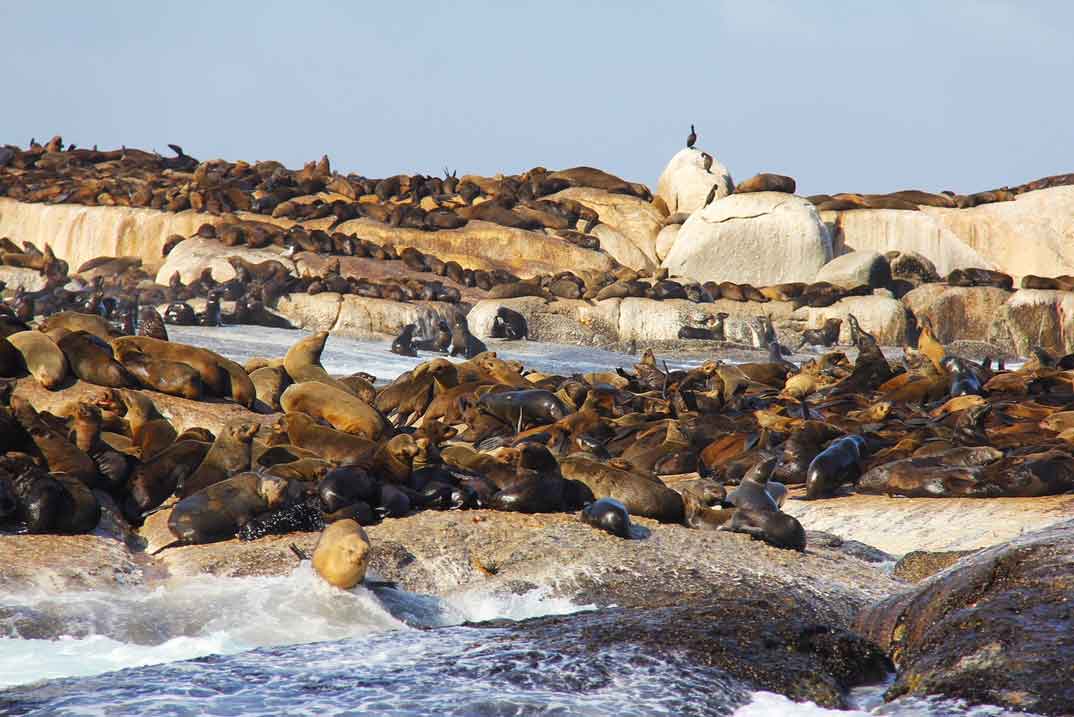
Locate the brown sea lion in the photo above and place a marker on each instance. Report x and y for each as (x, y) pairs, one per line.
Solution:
(331, 445)
(171, 377)
(45, 361)
(341, 554)
(75, 321)
(642, 495)
(91, 360)
(152, 481)
(229, 454)
(208, 364)
(340, 409)
(303, 361)
(218, 511)
(766, 182)
(270, 383)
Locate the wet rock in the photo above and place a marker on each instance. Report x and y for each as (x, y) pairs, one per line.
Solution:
(920, 564)
(994, 628)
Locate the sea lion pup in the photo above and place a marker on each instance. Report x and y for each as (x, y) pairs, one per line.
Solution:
(341, 554)
(825, 336)
(767, 182)
(220, 509)
(150, 432)
(90, 359)
(524, 408)
(837, 464)
(151, 324)
(403, 343)
(509, 324)
(229, 454)
(609, 515)
(328, 443)
(45, 361)
(340, 409)
(463, 343)
(757, 510)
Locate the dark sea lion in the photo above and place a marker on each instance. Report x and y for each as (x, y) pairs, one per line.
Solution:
(151, 324)
(219, 510)
(345, 486)
(732, 291)
(463, 343)
(229, 454)
(40, 501)
(980, 277)
(153, 481)
(340, 409)
(171, 377)
(538, 486)
(509, 324)
(757, 509)
(402, 344)
(91, 360)
(439, 342)
(524, 408)
(328, 443)
(270, 383)
(609, 515)
(964, 381)
(180, 314)
(825, 336)
(837, 464)
(1029, 281)
(766, 182)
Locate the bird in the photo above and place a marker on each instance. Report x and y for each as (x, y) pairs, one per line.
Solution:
(706, 161)
(712, 194)
(691, 138)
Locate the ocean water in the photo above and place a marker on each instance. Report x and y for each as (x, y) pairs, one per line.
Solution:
(293, 645)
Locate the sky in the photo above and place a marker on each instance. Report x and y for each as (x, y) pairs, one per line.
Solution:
(842, 95)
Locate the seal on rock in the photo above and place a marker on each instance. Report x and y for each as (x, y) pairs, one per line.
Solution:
(609, 515)
(837, 464)
(341, 554)
(403, 343)
(219, 510)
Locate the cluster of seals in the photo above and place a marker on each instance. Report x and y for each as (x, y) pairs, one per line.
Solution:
(914, 199)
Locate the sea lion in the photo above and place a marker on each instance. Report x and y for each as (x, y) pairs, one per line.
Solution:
(980, 277)
(150, 432)
(153, 481)
(217, 511)
(295, 518)
(340, 409)
(345, 486)
(509, 324)
(209, 365)
(393, 460)
(609, 515)
(328, 443)
(341, 554)
(963, 381)
(524, 408)
(171, 377)
(90, 359)
(537, 487)
(42, 357)
(270, 382)
(151, 324)
(180, 314)
(766, 182)
(303, 361)
(837, 464)
(756, 502)
(642, 495)
(402, 344)
(826, 336)
(229, 454)
(463, 343)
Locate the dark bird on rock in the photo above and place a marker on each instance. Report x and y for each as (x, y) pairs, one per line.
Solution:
(691, 138)
(706, 161)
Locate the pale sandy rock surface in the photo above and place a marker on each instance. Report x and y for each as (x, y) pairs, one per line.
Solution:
(359, 316)
(957, 312)
(882, 316)
(636, 219)
(666, 239)
(758, 238)
(193, 256)
(17, 277)
(856, 268)
(684, 184)
(621, 249)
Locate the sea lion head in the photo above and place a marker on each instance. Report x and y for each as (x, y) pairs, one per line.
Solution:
(273, 490)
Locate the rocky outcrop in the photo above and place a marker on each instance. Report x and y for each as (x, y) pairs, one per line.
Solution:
(685, 184)
(666, 239)
(994, 628)
(1032, 235)
(55, 563)
(570, 321)
(193, 256)
(882, 316)
(620, 248)
(758, 238)
(900, 525)
(957, 312)
(17, 277)
(634, 218)
(358, 316)
(855, 269)
(483, 245)
(1035, 317)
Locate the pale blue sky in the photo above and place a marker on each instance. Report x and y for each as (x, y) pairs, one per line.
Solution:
(844, 96)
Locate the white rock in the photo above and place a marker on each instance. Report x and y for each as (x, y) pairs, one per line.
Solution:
(882, 316)
(666, 239)
(684, 183)
(855, 269)
(194, 255)
(758, 238)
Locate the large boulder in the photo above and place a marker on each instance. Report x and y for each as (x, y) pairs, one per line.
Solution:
(882, 316)
(1032, 235)
(994, 628)
(857, 268)
(957, 312)
(621, 249)
(666, 239)
(484, 245)
(684, 184)
(758, 238)
(194, 255)
(571, 321)
(1035, 317)
(358, 316)
(634, 218)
